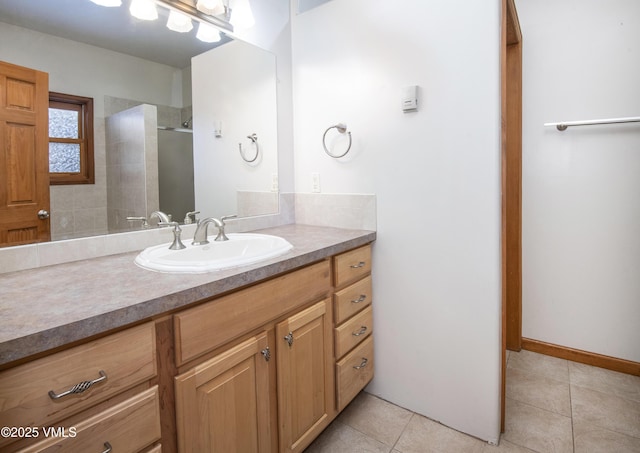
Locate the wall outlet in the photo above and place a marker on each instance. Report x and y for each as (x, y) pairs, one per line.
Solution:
(274, 182)
(315, 182)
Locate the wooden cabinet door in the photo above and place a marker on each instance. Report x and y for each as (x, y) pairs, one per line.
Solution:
(223, 405)
(305, 378)
(24, 155)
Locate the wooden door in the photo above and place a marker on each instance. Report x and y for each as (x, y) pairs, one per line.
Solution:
(24, 155)
(223, 405)
(305, 376)
(511, 93)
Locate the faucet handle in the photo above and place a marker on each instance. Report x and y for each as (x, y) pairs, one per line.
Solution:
(221, 234)
(190, 217)
(145, 224)
(177, 231)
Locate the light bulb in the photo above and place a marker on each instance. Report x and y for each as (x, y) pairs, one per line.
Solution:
(241, 15)
(143, 9)
(109, 3)
(211, 7)
(207, 33)
(179, 22)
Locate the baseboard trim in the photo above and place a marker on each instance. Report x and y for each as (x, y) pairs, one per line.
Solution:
(576, 355)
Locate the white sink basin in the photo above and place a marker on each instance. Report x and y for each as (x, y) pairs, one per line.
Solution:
(241, 249)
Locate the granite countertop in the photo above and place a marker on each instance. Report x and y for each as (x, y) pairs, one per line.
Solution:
(41, 309)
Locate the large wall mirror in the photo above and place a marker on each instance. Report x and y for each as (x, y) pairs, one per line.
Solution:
(179, 124)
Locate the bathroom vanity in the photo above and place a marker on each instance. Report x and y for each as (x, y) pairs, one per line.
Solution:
(254, 359)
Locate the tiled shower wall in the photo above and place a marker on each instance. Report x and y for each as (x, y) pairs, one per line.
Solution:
(132, 166)
(80, 210)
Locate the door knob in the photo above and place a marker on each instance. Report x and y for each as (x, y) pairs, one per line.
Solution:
(43, 214)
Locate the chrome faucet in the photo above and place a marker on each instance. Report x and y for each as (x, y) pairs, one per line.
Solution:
(162, 217)
(200, 236)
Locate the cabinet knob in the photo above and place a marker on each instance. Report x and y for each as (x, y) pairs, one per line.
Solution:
(289, 339)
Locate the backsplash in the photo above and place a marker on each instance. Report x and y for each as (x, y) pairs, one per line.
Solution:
(352, 211)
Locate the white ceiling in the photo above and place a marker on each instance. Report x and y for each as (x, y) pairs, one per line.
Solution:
(109, 28)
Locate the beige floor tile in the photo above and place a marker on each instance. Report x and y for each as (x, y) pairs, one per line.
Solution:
(506, 447)
(590, 438)
(547, 366)
(340, 438)
(537, 429)
(606, 411)
(376, 418)
(605, 381)
(426, 436)
(539, 391)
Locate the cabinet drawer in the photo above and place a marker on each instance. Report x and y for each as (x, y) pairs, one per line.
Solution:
(127, 358)
(352, 299)
(353, 331)
(126, 427)
(351, 265)
(206, 327)
(354, 372)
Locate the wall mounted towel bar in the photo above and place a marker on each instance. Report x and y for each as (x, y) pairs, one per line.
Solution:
(565, 124)
(342, 128)
(254, 139)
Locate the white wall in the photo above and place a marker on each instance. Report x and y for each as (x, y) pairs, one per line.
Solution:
(85, 70)
(436, 174)
(239, 80)
(272, 32)
(581, 187)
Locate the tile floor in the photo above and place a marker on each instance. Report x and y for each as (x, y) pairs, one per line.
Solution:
(553, 405)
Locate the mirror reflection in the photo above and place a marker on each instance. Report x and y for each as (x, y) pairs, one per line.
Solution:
(161, 140)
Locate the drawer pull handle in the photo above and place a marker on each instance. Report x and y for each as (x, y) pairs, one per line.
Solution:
(359, 265)
(362, 298)
(78, 388)
(362, 364)
(362, 331)
(266, 353)
(289, 339)
(107, 447)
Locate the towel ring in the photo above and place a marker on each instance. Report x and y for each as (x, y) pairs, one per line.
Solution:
(342, 128)
(254, 139)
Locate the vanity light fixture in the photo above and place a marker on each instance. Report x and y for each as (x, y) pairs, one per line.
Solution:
(211, 7)
(207, 33)
(143, 9)
(213, 16)
(109, 3)
(179, 22)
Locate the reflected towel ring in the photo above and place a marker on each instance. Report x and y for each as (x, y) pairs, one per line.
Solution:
(342, 128)
(254, 139)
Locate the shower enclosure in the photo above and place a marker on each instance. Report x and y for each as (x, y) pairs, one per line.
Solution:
(175, 171)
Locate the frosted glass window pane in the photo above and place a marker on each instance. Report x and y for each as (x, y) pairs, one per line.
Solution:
(64, 158)
(63, 123)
